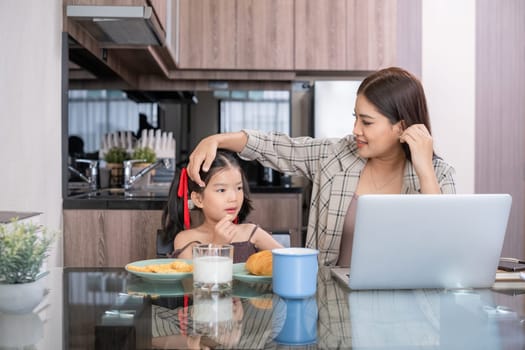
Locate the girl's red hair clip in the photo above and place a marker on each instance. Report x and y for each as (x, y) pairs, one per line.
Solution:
(183, 193)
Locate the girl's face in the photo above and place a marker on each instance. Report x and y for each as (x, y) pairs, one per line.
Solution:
(375, 136)
(223, 195)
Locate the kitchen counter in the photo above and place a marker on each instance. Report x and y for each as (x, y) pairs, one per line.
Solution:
(109, 227)
(154, 202)
(275, 189)
(141, 200)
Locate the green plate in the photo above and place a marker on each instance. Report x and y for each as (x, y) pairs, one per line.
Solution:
(250, 290)
(139, 286)
(240, 273)
(159, 277)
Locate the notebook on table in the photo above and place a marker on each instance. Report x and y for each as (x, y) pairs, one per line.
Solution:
(426, 241)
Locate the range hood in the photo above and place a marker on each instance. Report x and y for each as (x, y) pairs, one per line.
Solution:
(117, 25)
(180, 97)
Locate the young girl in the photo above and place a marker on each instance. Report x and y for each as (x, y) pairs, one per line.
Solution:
(224, 202)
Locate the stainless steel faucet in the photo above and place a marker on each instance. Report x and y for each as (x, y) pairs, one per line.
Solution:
(129, 179)
(91, 179)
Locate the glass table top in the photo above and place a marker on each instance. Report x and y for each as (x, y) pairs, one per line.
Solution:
(103, 308)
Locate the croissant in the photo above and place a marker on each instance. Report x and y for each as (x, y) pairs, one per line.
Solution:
(260, 263)
(264, 302)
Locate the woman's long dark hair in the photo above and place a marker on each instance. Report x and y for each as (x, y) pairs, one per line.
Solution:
(173, 214)
(398, 95)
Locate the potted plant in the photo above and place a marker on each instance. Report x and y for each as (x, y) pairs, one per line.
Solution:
(114, 158)
(149, 155)
(144, 153)
(23, 249)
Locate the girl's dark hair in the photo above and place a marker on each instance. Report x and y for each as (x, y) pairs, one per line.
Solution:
(173, 214)
(398, 95)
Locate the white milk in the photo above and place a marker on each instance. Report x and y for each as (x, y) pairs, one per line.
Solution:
(214, 309)
(212, 269)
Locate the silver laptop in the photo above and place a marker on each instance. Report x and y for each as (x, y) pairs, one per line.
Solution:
(427, 241)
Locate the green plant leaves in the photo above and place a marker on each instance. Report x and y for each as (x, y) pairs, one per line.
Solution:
(144, 153)
(23, 248)
(116, 155)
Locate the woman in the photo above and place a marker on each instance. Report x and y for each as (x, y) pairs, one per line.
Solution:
(390, 151)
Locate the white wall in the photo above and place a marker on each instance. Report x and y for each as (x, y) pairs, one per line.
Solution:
(30, 114)
(448, 76)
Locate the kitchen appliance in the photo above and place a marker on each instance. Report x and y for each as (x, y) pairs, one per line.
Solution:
(118, 25)
(334, 103)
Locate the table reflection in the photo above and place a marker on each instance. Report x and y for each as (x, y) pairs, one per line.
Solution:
(40, 328)
(426, 318)
(295, 321)
(20, 331)
(237, 319)
(110, 309)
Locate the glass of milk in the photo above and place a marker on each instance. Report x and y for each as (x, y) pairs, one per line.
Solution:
(212, 312)
(212, 267)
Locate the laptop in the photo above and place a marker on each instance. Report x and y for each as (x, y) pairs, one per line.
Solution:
(426, 241)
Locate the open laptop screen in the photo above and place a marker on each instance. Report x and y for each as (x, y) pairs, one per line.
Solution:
(428, 241)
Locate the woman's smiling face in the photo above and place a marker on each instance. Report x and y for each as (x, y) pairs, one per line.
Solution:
(375, 136)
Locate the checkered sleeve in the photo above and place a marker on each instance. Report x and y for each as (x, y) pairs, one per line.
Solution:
(297, 156)
(445, 176)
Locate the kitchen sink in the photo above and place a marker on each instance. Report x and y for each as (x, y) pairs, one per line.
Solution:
(120, 193)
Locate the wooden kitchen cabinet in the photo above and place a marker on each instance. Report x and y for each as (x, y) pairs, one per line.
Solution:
(371, 29)
(161, 11)
(320, 35)
(302, 35)
(255, 40)
(345, 34)
(236, 34)
(207, 32)
(129, 62)
(109, 238)
(279, 212)
(264, 34)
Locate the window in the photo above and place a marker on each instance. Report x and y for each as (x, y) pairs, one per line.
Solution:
(93, 113)
(261, 110)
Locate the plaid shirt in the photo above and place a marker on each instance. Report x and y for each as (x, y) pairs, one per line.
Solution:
(334, 167)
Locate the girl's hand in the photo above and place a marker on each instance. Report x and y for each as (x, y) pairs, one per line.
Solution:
(421, 147)
(238, 310)
(225, 230)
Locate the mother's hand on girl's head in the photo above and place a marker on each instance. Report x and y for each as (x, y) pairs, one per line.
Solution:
(202, 157)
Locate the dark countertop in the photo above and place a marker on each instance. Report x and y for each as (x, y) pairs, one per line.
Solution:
(275, 189)
(114, 199)
(115, 204)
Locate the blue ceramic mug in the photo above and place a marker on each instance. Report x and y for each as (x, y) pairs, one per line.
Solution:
(295, 321)
(294, 272)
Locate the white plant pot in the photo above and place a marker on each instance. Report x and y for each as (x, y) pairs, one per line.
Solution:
(20, 330)
(21, 298)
